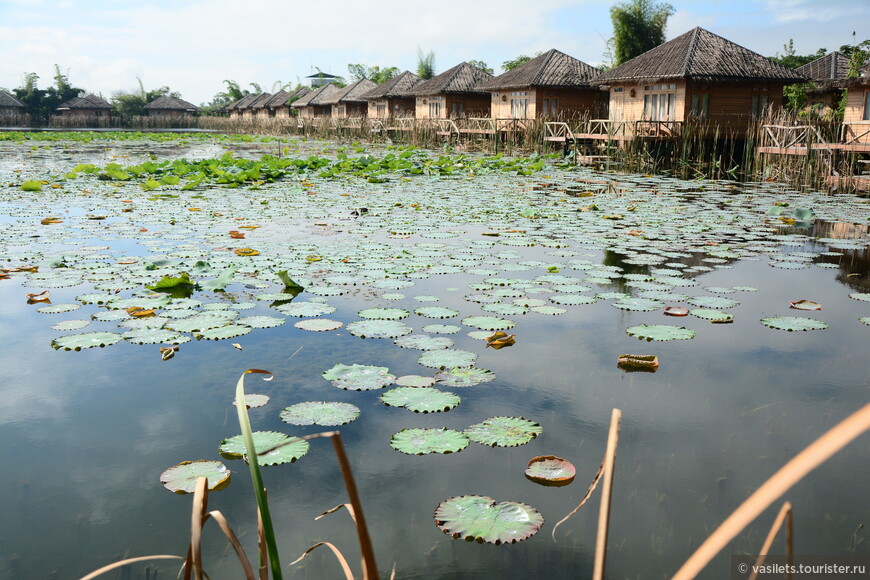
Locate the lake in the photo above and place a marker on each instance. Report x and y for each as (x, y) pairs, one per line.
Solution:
(568, 259)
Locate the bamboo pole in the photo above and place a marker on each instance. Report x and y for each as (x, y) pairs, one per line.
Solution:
(606, 489)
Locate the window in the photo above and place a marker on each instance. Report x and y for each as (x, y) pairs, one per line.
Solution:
(549, 107)
(381, 110)
(701, 105)
(458, 109)
(758, 107)
(435, 110)
(659, 102)
(866, 116)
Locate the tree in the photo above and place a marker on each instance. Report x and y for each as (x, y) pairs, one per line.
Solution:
(479, 64)
(132, 103)
(42, 103)
(512, 64)
(425, 64)
(373, 73)
(638, 26)
(790, 59)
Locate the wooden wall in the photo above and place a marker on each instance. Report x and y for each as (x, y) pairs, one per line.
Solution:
(471, 105)
(394, 107)
(572, 103)
(853, 123)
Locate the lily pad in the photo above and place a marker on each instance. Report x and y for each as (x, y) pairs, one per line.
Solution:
(420, 399)
(863, 296)
(660, 332)
(261, 321)
(504, 431)
(793, 323)
(423, 441)
(464, 377)
(424, 342)
(441, 328)
(359, 377)
(58, 308)
(224, 332)
(711, 314)
(415, 381)
(378, 328)
(383, 313)
(305, 309)
(272, 448)
(436, 312)
(637, 304)
(86, 340)
(69, 325)
(713, 302)
(550, 470)
(447, 358)
(320, 413)
(182, 478)
(318, 324)
(490, 323)
(480, 518)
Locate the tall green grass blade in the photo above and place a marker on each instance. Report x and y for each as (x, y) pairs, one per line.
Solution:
(256, 477)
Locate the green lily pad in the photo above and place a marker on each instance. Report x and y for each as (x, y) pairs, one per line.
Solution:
(198, 323)
(713, 302)
(424, 342)
(793, 323)
(550, 470)
(549, 310)
(415, 381)
(423, 441)
(378, 328)
(637, 304)
(480, 518)
(58, 308)
(464, 377)
(436, 312)
(318, 324)
(863, 296)
(224, 332)
(320, 413)
(441, 328)
(69, 325)
(305, 309)
(420, 399)
(491, 323)
(572, 299)
(182, 478)
(272, 448)
(504, 431)
(261, 321)
(660, 332)
(86, 340)
(447, 358)
(359, 377)
(710, 314)
(384, 313)
(154, 336)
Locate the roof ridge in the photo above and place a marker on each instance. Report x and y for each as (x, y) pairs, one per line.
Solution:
(550, 54)
(690, 52)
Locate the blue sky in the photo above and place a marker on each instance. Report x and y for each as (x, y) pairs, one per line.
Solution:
(193, 45)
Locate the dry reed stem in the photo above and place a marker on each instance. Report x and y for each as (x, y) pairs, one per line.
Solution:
(589, 491)
(114, 565)
(784, 515)
(200, 505)
(234, 542)
(606, 490)
(792, 472)
(348, 574)
(338, 507)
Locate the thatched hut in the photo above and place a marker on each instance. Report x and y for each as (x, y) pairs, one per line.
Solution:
(551, 85)
(454, 93)
(391, 99)
(697, 75)
(237, 109)
(89, 108)
(824, 73)
(279, 105)
(173, 108)
(348, 102)
(10, 107)
(856, 115)
(257, 107)
(311, 105)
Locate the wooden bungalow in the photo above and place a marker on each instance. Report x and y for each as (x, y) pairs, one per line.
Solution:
(311, 106)
(452, 94)
(696, 76)
(257, 107)
(89, 108)
(552, 85)
(824, 73)
(237, 109)
(391, 99)
(10, 107)
(279, 105)
(856, 115)
(348, 102)
(173, 108)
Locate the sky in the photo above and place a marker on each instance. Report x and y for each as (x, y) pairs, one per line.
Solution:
(193, 46)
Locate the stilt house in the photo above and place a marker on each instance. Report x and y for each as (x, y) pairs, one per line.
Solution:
(454, 93)
(391, 99)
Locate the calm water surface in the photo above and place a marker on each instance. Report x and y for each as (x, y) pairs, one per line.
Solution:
(87, 434)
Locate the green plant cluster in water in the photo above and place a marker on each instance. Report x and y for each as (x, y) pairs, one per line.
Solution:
(88, 136)
(231, 171)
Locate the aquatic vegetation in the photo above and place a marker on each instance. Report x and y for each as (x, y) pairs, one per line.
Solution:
(481, 519)
(550, 470)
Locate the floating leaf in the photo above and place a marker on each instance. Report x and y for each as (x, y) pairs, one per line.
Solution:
(436, 312)
(504, 431)
(793, 323)
(383, 313)
(660, 332)
(441, 328)
(320, 413)
(447, 358)
(711, 314)
(86, 340)
(359, 377)
(253, 400)
(68, 325)
(154, 336)
(865, 297)
(415, 381)
(378, 328)
(272, 448)
(637, 304)
(224, 332)
(246, 252)
(58, 308)
(464, 377)
(261, 321)
(182, 478)
(638, 362)
(675, 311)
(420, 399)
(424, 342)
(500, 340)
(318, 324)
(480, 518)
(305, 309)
(550, 470)
(423, 441)
(713, 302)
(490, 323)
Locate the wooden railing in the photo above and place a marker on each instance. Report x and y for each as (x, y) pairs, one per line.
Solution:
(853, 134)
(610, 127)
(558, 131)
(646, 128)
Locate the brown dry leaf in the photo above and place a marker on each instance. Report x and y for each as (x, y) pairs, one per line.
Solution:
(236, 345)
(167, 352)
(139, 312)
(51, 220)
(44, 296)
(500, 340)
(638, 362)
(246, 252)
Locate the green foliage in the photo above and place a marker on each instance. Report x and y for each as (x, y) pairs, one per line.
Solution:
(31, 185)
(638, 26)
(514, 63)
(373, 73)
(425, 64)
(792, 60)
(481, 65)
(42, 103)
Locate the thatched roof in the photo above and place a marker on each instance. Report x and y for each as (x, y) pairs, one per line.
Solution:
(242, 103)
(398, 86)
(551, 69)
(298, 93)
(699, 54)
(260, 101)
(8, 101)
(167, 103)
(351, 93)
(86, 103)
(463, 78)
(279, 99)
(316, 96)
(833, 65)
